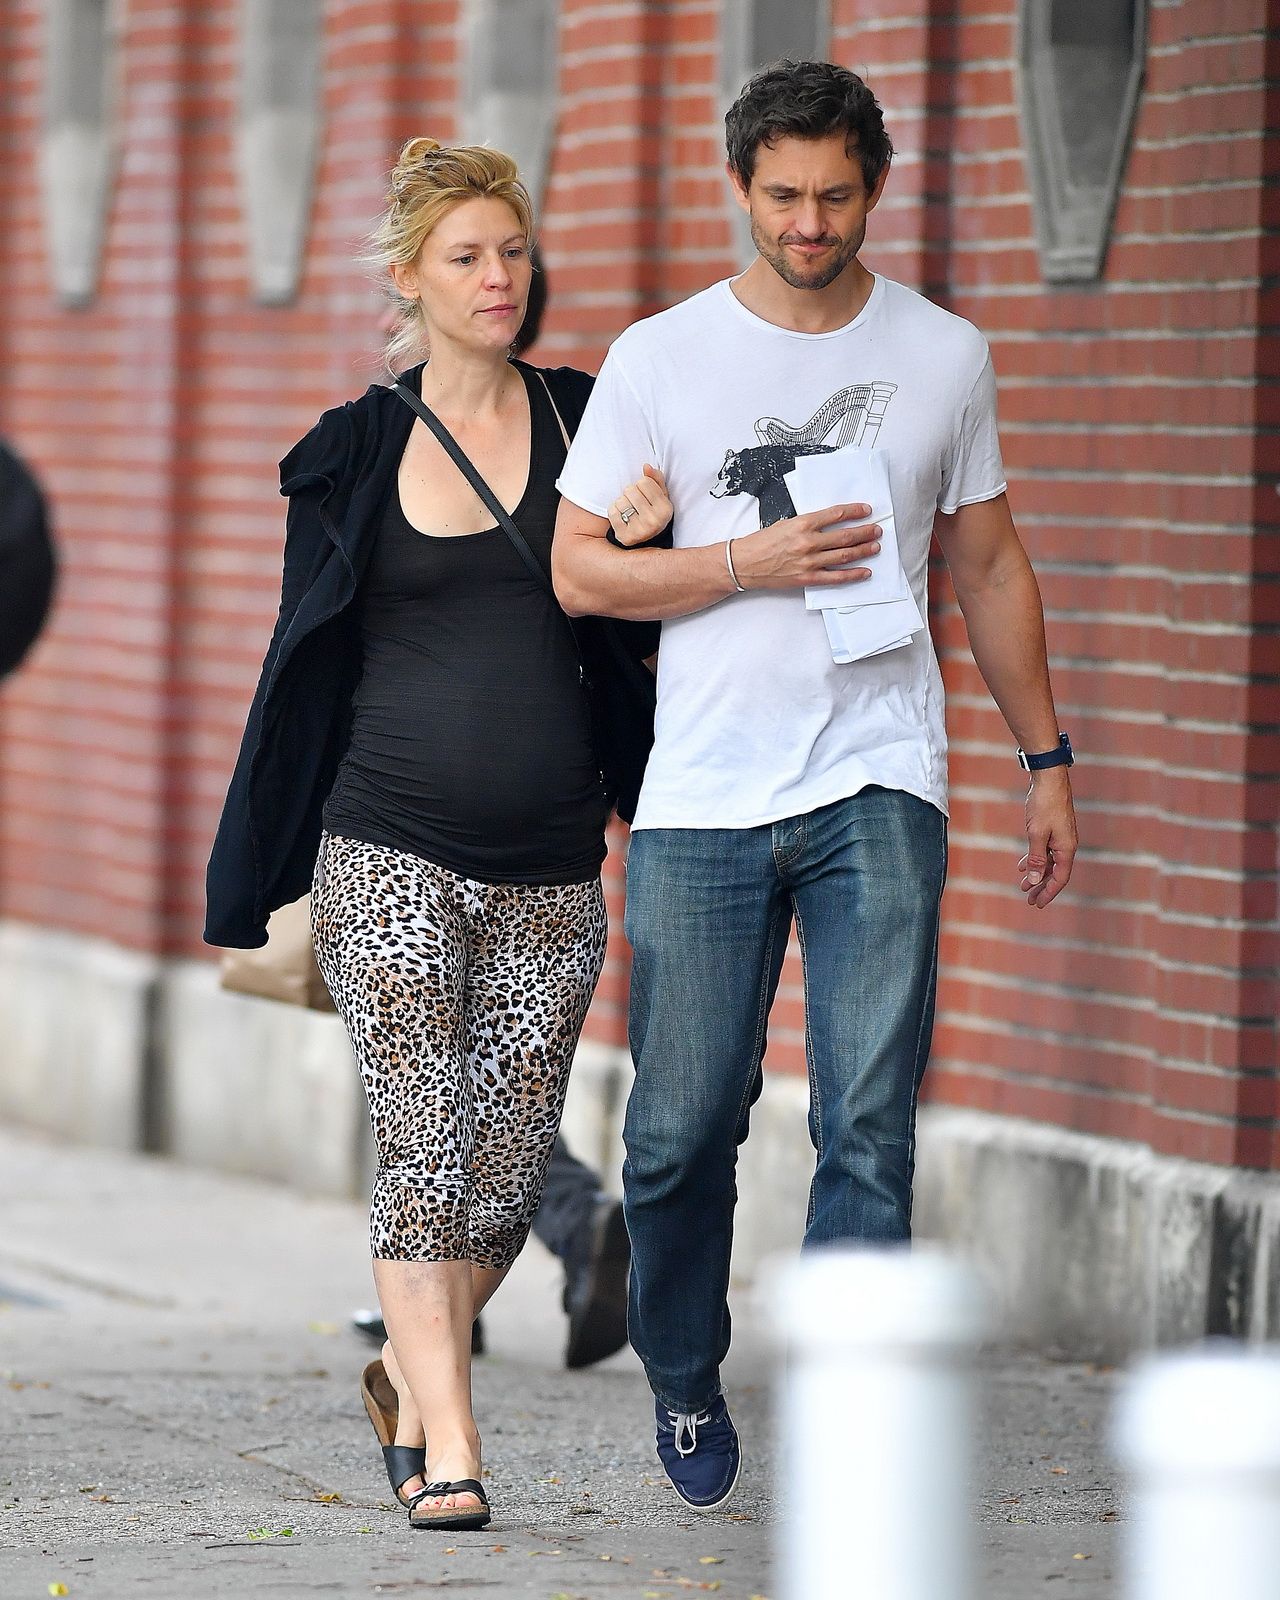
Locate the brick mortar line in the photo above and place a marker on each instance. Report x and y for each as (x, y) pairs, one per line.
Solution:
(1149, 860)
(1141, 669)
(1154, 380)
(972, 794)
(1069, 946)
(1182, 480)
(966, 1022)
(1015, 1078)
(1129, 761)
(1067, 428)
(1176, 580)
(1142, 1005)
(1132, 714)
(1144, 908)
(1151, 145)
(1154, 289)
(1132, 718)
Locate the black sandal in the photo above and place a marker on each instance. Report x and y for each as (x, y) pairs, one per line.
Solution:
(402, 1461)
(451, 1518)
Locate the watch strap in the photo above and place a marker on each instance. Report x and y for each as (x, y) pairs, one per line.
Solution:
(1061, 755)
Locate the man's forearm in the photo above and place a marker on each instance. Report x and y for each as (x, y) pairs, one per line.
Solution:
(1005, 618)
(595, 578)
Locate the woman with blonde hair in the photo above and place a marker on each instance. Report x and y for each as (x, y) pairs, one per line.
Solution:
(436, 749)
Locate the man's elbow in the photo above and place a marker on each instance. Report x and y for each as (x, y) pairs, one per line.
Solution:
(572, 602)
(565, 580)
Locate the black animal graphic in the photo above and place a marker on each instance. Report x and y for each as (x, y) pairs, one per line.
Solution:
(759, 470)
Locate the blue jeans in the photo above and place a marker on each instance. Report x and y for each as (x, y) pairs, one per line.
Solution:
(708, 915)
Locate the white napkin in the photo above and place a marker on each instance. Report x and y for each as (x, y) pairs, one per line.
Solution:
(866, 616)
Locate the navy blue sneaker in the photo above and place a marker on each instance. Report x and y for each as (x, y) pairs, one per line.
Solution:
(700, 1453)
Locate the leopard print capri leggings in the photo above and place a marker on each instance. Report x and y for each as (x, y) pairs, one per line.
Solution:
(464, 1002)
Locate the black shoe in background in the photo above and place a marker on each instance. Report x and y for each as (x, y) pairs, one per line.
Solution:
(370, 1324)
(595, 1290)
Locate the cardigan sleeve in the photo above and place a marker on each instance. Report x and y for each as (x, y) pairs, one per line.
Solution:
(233, 917)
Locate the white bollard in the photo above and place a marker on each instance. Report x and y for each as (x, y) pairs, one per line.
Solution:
(875, 1493)
(1200, 1434)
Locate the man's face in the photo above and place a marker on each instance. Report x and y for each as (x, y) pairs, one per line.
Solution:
(808, 206)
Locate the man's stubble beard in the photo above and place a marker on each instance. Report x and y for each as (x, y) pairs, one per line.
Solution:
(774, 252)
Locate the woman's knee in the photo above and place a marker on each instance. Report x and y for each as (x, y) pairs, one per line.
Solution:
(413, 1215)
(496, 1233)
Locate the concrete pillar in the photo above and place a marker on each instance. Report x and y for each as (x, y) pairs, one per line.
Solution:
(877, 1417)
(1200, 1432)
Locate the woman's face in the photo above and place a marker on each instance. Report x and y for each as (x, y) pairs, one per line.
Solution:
(472, 276)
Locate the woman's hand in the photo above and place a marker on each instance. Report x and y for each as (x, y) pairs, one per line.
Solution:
(642, 510)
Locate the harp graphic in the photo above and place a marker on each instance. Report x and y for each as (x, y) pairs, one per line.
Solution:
(857, 411)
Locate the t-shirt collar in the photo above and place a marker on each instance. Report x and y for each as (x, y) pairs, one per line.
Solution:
(762, 323)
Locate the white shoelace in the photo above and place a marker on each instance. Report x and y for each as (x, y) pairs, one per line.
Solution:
(687, 1422)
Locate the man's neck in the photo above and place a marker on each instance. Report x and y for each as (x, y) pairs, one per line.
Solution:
(774, 300)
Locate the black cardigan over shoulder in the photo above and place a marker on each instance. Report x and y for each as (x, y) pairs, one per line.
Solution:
(337, 481)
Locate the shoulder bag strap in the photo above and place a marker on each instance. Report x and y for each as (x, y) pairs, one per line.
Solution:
(564, 432)
(465, 466)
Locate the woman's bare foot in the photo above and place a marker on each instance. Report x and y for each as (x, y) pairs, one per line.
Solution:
(409, 1429)
(460, 1460)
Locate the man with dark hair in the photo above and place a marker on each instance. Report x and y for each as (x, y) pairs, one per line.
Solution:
(799, 770)
(27, 566)
(806, 100)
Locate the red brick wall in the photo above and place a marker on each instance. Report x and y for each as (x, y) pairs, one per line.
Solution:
(1143, 1004)
(156, 418)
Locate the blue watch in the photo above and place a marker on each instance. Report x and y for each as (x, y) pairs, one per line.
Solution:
(1061, 756)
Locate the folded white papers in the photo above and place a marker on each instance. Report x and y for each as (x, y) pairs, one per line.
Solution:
(866, 616)
(854, 638)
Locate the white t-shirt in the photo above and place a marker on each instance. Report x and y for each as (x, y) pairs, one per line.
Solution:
(755, 720)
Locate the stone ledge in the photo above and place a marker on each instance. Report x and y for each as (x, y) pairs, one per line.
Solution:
(77, 1019)
(258, 1088)
(1093, 1247)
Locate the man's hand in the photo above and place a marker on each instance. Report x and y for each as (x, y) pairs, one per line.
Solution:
(1051, 837)
(818, 548)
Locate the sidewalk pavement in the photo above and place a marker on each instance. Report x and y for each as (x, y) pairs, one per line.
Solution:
(180, 1417)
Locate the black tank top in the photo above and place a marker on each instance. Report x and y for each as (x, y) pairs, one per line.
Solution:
(471, 739)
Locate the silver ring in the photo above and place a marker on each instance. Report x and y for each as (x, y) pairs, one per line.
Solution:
(628, 514)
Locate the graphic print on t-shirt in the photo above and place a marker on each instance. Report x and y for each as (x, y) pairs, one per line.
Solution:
(760, 469)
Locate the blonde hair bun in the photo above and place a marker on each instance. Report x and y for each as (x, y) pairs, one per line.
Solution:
(415, 149)
(410, 161)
